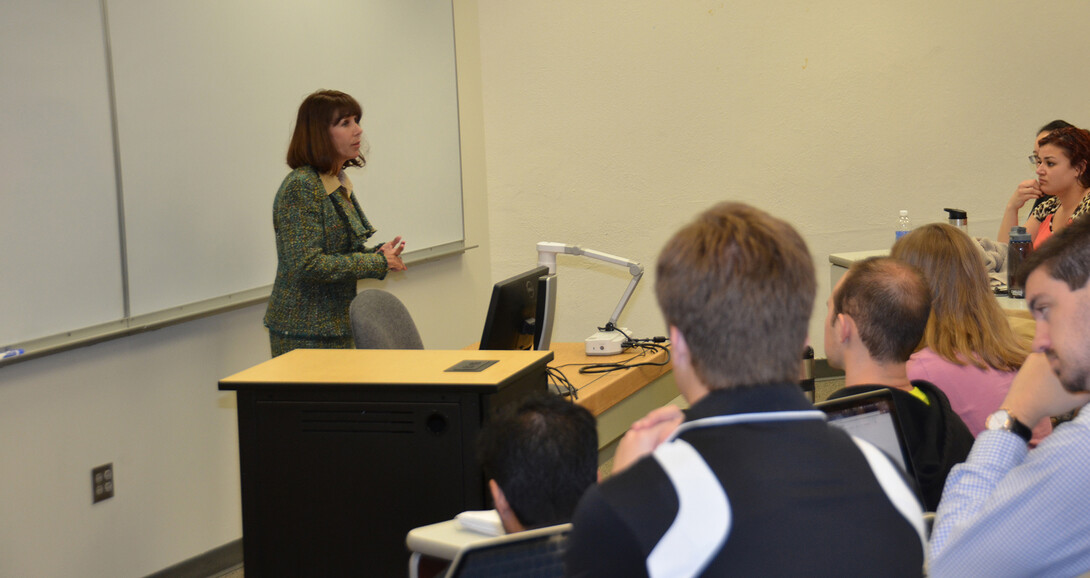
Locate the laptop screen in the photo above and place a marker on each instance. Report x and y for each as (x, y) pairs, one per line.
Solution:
(872, 417)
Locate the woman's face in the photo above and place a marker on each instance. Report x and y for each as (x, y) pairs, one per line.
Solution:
(1054, 171)
(346, 135)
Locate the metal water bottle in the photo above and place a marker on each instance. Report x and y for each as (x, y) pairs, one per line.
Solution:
(806, 373)
(958, 218)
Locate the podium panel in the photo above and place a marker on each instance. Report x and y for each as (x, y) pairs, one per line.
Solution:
(337, 467)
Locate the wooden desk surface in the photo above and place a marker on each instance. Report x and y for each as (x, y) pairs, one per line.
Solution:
(385, 366)
(600, 391)
(597, 392)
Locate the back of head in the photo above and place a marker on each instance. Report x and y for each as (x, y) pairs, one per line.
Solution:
(1055, 125)
(889, 302)
(543, 453)
(311, 144)
(739, 285)
(966, 324)
(1065, 256)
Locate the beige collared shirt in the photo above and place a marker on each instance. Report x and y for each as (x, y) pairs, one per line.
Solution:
(332, 182)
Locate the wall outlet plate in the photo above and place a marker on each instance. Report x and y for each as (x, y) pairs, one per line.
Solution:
(102, 483)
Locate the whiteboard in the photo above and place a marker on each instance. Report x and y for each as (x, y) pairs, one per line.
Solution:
(206, 93)
(59, 240)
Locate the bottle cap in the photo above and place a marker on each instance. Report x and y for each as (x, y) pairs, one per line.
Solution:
(1019, 235)
(957, 214)
(904, 213)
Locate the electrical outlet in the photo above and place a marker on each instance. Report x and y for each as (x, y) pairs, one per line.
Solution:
(102, 483)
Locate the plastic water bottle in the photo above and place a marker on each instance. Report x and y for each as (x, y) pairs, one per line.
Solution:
(903, 224)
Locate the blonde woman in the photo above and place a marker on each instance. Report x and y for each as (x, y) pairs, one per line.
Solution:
(968, 349)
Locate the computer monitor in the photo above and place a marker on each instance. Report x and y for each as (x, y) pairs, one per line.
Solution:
(521, 312)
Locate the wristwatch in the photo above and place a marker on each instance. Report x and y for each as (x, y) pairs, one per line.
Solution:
(1003, 420)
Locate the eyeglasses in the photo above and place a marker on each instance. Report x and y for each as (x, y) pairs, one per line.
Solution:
(1034, 160)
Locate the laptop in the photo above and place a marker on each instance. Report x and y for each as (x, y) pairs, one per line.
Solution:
(531, 554)
(872, 416)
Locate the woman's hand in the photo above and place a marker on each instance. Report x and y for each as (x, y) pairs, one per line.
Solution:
(392, 250)
(394, 247)
(1026, 191)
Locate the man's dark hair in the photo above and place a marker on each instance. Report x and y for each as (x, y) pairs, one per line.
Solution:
(890, 302)
(1065, 256)
(543, 453)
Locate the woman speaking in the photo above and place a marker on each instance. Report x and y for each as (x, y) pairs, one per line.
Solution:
(321, 230)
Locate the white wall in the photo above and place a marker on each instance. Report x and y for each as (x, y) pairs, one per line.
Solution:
(149, 404)
(610, 124)
(605, 124)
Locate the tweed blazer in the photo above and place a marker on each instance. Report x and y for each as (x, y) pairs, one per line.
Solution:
(321, 252)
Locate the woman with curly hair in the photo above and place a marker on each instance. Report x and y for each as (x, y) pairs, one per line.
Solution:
(1062, 160)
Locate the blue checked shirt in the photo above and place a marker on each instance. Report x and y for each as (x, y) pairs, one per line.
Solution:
(1010, 511)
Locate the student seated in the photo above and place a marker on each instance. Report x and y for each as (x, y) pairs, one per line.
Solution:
(1009, 511)
(752, 481)
(1061, 191)
(968, 349)
(539, 457)
(877, 314)
(1030, 189)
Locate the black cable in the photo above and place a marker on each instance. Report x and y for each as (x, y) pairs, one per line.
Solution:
(656, 339)
(564, 387)
(619, 365)
(630, 341)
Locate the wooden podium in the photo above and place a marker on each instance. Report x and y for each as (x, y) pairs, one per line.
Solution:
(342, 452)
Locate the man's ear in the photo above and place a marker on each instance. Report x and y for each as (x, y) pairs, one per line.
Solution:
(510, 521)
(845, 327)
(679, 348)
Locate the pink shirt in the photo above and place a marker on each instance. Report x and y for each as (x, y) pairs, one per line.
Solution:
(974, 393)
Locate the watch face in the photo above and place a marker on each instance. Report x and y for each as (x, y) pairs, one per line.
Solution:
(998, 420)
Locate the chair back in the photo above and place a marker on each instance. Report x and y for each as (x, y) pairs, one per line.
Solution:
(381, 321)
(538, 553)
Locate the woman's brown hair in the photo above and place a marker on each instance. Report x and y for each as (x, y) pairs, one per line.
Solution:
(1075, 142)
(966, 325)
(310, 143)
